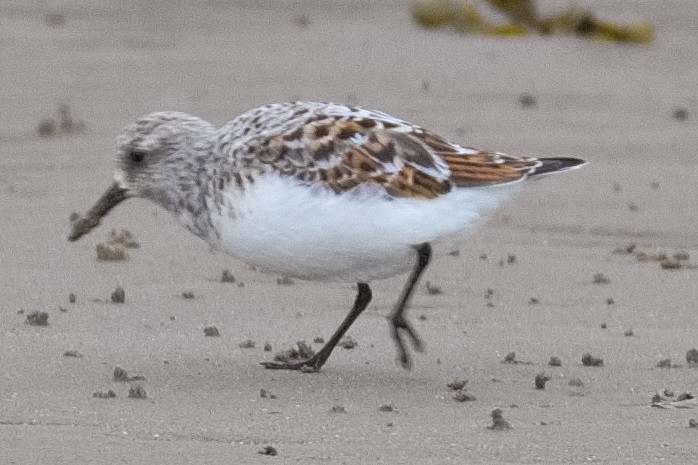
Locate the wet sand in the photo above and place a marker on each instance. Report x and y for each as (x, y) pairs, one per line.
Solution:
(606, 103)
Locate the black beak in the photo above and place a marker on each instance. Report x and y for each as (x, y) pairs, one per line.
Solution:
(110, 199)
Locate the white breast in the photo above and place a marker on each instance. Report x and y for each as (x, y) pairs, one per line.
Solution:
(309, 233)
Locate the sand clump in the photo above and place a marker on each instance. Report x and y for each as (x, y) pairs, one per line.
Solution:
(114, 248)
(511, 358)
(118, 296)
(247, 344)
(37, 319)
(460, 394)
(268, 450)
(541, 379)
(692, 357)
(211, 331)
(676, 260)
(498, 421)
(72, 353)
(589, 360)
(463, 396)
(106, 394)
(110, 252)
(123, 237)
(227, 276)
(433, 289)
(120, 375)
(136, 391)
(347, 342)
(457, 384)
(666, 363)
(527, 100)
(600, 278)
(555, 362)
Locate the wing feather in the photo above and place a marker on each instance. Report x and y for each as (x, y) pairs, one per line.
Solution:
(344, 151)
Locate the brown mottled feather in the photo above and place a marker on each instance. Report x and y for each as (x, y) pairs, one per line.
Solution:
(343, 152)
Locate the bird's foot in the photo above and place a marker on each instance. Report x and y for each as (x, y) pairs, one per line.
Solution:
(311, 365)
(400, 327)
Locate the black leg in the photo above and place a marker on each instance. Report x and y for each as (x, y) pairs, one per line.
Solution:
(363, 297)
(397, 318)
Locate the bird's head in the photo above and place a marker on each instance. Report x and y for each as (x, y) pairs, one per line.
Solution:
(154, 155)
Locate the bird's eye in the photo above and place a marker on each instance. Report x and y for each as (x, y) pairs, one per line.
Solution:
(136, 156)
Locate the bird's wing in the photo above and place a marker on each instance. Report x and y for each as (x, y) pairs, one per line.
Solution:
(346, 151)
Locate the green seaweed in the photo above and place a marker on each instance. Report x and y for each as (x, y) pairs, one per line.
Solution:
(524, 19)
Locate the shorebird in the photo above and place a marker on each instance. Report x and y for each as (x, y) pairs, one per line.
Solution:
(317, 191)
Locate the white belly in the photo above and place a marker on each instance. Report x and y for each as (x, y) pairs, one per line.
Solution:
(288, 228)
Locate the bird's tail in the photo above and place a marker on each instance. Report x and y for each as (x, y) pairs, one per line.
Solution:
(556, 165)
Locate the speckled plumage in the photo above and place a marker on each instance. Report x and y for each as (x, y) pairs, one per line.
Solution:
(317, 191)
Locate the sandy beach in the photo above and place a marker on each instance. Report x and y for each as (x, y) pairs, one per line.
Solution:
(540, 278)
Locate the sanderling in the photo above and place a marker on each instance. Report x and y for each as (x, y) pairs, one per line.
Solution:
(316, 191)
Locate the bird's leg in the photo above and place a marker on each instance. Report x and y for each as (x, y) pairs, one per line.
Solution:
(397, 319)
(363, 297)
